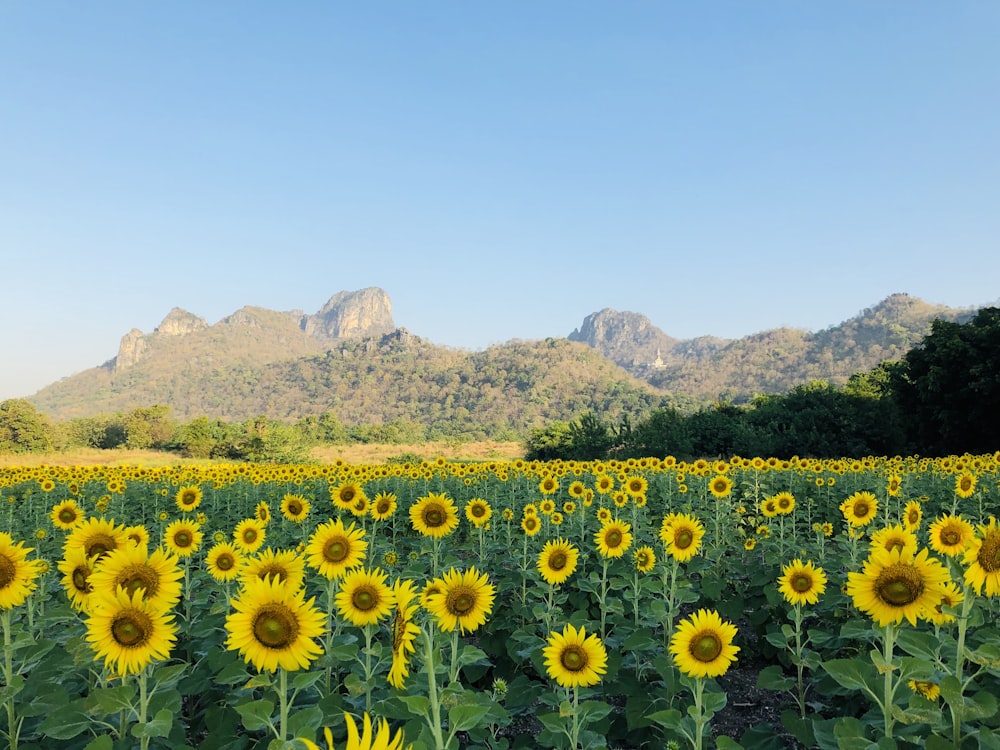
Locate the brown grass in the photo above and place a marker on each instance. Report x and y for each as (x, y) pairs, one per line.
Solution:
(354, 454)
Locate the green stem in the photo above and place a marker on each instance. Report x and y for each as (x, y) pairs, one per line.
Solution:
(13, 730)
(143, 705)
(369, 633)
(282, 703)
(604, 596)
(889, 689)
(963, 624)
(453, 672)
(699, 716)
(574, 738)
(434, 717)
(799, 665)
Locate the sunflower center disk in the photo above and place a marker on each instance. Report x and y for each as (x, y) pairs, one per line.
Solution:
(276, 572)
(225, 562)
(100, 545)
(249, 536)
(899, 585)
(460, 602)
(613, 539)
(294, 508)
(7, 571)
(573, 659)
(950, 537)
(557, 561)
(801, 583)
(139, 578)
(364, 599)
(275, 627)
(860, 510)
(80, 576)
(182, 539)
(989, 553)
(67, 516)
(129, 629)
(335, 550)
(683, 539)
(706, 647)
(433, 517)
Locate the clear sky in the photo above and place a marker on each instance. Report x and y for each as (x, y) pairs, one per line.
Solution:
(501, 169)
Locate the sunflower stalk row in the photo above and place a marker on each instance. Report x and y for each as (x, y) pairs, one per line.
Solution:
(503, 605)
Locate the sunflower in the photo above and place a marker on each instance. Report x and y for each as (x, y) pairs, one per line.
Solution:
(982, 560)
(137, 536)
(182, 537)
(769, 507)
(383, 506)
(365, 597)
(129, 631)
(465, 599)
(284, 566)
(929, 690)
(951, 597)
(859, 509)
(155, 576)
(635, 486)
(575, 659)
(569, 507)
(645, 559)
(965, 485)
(345, 494)
(249, 535)
(784, 503)
(17, 572)
(548, 486)
(576, 489)
(404, 630)
(478, 512)
(273, 626)
(749, 543)
(96, 537)
(334, 549)
(895, 537)
(603, 515)
(223, 561)
(379, 737)
(547, 507)
(557, 561)
(434, 515)
(894, 485)
(77, 569)
(531, 525)
(295, 508)
(359, 508)
(263, 512)
(188, 498)
(702, 645)
(604, 484)
(432, 587)
(895, 584)
(683, 537)
(950, 535)
(912, 515)
(801, 582)
(613, 538)
(66, 515)
(720, 486)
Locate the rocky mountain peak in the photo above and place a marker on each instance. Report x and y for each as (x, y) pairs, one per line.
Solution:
(627, 338)
(180, 322)
(367, 312)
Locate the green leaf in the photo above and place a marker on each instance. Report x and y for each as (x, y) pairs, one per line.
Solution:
(982, 706)
(159, 726)
(417, 705)
(305, 722)
(774, 678)
(552, 722)
(936, 742)
(713, 702)
(66, 725)
(256, 715)
(305, 680)
(112, 700)
(850, 734)
(722, 742)
(466, 716)
(472, 655)
(355, 685)
(262, 680)
(591, 711)
(103, 742)
(233, 673)
(917, 643)
(168, 677)
(853, 674)
(951, 690)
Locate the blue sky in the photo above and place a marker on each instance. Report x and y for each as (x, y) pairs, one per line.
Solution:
(502, 170)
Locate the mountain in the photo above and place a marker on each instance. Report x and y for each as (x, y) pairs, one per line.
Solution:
(350, 359)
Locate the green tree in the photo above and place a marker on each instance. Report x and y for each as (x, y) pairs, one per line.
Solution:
(550, 442)
(149, 427)
(23, 429)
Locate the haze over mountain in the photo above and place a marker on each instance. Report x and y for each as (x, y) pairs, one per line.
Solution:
(351, 359)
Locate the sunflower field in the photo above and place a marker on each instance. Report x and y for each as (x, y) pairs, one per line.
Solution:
(440, 605)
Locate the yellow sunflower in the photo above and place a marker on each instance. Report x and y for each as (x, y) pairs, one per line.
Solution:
(613, 538)
(635, 486)
(17, 572)
(801, 582)
(912, 515)
(965, 485)
(548, 486)
(702, 645)
(223, 561)
(273, 626)
(155, 576)
(895, 584)
(860, 508)
(784, 503)
(96, 537)
(263, 512)
(465, 599)
(929, 690)
(249, 535)
(188, 498)
(769, 507)
(950, 535)
(576, 489)
(404, 631)
(434, 515)
(531, 525)
(77, 569)
(604, 484)
(66, 515)
(128, 631)
(283, 566)
(720, 486)
(345, 494)
(334, 549)
(951, 597)
(682, 537)
(982, 560)
(895, 537)
(182, 537)
(365, 597)
(557, 561)
(478, 512)
(379, 737)
(575, 659)
(383, 506)
(894, 485)
(295, 508)
(645, 559)
(137, 536)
